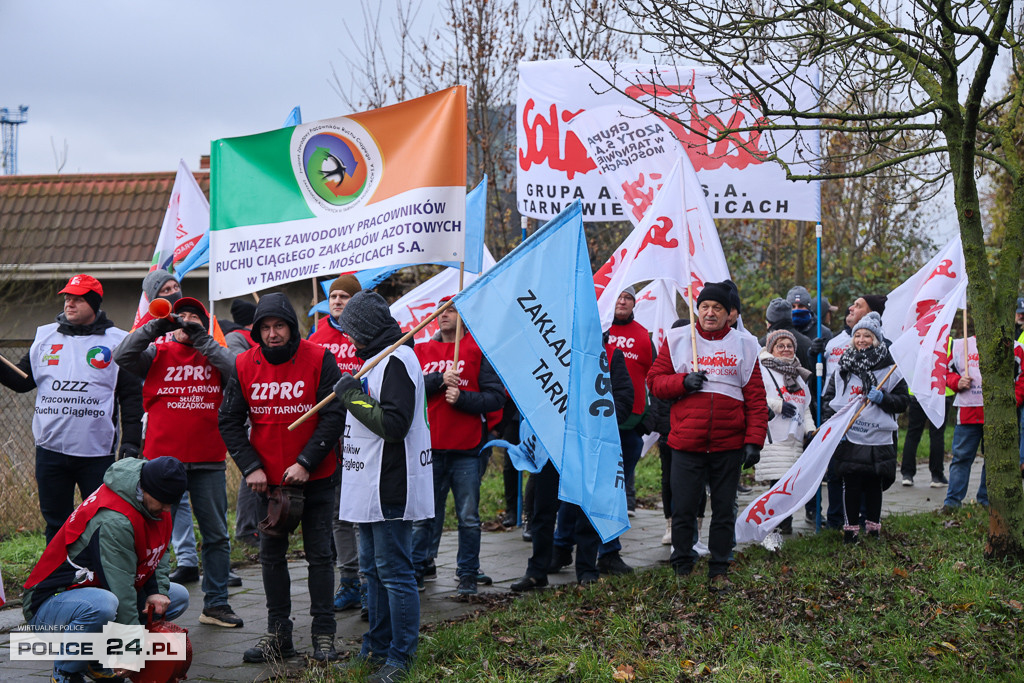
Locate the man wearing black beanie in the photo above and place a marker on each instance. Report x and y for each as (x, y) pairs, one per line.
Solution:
(71, 364)
(112, 552)
(718, 419)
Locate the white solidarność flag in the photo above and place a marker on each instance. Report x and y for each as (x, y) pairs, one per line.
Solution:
(911, 301)
(422, 300)
(679, 219)
(920, 353)
(798, 484)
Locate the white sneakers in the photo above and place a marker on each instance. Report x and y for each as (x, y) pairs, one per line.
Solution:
(667, 538)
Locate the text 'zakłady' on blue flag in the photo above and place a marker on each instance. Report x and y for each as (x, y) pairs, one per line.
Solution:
(534, 315)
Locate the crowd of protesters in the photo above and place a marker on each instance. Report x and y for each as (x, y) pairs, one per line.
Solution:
(368, 476)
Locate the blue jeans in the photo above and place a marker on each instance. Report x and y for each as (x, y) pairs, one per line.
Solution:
(385, 558)
(56, 477)
(460, 472)
(966, 439)
(183, 535)
(632, 444)
(89, 610)
(210, 505)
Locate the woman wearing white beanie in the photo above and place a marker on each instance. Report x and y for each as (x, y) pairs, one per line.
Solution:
(866, 460)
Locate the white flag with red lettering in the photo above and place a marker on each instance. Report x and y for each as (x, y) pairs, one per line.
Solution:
(678, 219)
(799, 484)
(656, 308)
(634, 178)
(909, 302)
(186, 220)
(422, 300)
(921, 353)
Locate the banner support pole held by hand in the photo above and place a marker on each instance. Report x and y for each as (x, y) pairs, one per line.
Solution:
(369, 366)
(12, 366)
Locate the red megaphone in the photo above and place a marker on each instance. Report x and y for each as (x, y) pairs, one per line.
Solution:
(160, 308)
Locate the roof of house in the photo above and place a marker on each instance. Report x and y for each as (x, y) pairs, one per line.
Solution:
(109, 218)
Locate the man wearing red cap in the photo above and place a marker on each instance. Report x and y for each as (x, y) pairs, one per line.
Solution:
(80, 395)
(182, 392)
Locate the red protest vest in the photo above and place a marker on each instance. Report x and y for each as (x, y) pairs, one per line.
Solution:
(182, 394)
(635, 342)
(277, 396)
(451, 428)
(338, 345)
(151, 538)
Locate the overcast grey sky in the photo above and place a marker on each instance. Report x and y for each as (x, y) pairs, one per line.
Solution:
(134, 85)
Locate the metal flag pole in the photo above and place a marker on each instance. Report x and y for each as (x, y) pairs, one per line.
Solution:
(819, 368)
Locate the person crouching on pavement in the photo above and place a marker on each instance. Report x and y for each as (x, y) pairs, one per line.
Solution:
(108, 562)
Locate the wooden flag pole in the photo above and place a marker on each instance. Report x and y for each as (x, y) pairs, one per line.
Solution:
(316, 300)
(693, 329)
(369, 366)
(865, 405)
(458, 323)
(256, 296)
(12, 366)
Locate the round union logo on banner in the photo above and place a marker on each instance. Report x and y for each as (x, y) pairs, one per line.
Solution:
(337, 164)
(98, 357)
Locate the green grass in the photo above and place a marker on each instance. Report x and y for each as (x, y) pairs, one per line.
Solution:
(921, 604)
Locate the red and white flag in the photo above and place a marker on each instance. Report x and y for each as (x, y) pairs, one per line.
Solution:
(186, 220)
(911, 301)
(678, 219)
(798, 485)
(921, 352)
(656, 308)
(422, 300)
(632, 176)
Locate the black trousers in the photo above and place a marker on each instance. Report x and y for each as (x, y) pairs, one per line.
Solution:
(916, 423)
(691, 472)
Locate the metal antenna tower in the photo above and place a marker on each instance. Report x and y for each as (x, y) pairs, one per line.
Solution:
(10, 119)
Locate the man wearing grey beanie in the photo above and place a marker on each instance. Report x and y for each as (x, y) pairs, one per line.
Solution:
(388, 480)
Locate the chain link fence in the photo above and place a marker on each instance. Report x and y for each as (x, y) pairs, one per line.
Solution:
(19, 498)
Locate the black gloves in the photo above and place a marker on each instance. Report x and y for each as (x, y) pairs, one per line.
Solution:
(694, 381)
(751, 455)
(809, 437)
(158, 327)
(193, 329)
(346, 383)
(818, 346)
(788, 409)
(128, 451)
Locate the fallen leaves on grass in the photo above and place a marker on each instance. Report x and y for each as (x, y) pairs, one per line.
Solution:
(624, 672)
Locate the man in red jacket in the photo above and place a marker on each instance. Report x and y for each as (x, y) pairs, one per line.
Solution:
(718, 420)
(183, 384)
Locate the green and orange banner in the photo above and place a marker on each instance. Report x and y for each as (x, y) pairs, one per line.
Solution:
(377, 188)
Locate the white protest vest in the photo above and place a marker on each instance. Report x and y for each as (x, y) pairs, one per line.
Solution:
(782, 428)
(874, 427)
(363, 451)
(75, 379)
(728, 362)
(971, 397)
(833, 350)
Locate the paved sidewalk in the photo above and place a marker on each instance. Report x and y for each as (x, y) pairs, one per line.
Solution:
(503, 555)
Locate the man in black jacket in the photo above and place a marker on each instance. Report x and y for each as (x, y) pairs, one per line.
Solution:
(275, 383)
(81, 394)
(546, 508)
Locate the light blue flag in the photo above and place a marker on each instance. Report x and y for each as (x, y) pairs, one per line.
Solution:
(476, 220)
(294, 118)
(197, 258)
(534, 315)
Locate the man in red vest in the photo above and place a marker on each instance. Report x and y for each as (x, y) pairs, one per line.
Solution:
(329, 335)
(275, 383)
(108, 562)
(182, 389)
(458, 398)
